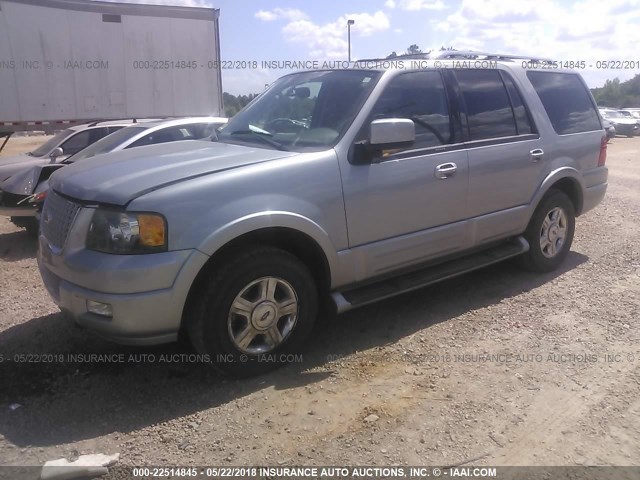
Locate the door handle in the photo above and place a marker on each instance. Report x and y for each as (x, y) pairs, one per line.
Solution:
(536, 154)
(446, 170)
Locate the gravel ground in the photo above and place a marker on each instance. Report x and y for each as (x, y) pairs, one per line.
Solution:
(499, 367)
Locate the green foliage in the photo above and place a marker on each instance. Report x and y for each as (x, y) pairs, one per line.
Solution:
(233, 104)
(618, 94)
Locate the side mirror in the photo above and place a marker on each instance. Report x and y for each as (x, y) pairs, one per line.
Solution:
(55, 153)
(392, 132)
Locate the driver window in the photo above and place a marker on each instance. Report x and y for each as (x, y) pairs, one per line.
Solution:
(421, 97)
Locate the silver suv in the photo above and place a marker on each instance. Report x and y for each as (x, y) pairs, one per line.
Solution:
(355, 184)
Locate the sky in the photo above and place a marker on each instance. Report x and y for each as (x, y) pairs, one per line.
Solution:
(268, 30)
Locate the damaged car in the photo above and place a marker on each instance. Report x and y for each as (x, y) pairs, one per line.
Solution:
(22, 195)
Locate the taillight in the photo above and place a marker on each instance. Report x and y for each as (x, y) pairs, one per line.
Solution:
(603, 151)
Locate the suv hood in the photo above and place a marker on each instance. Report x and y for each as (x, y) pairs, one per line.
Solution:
(117, 178)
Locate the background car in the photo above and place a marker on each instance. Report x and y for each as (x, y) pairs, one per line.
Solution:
(22, 194)
(631, 116)
(62, 145)
(624, 126)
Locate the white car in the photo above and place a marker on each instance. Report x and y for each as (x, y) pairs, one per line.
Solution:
(623, 124)
(62, 145)
(632, 114)
(22, 194)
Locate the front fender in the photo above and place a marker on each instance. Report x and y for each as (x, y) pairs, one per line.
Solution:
(271, 219)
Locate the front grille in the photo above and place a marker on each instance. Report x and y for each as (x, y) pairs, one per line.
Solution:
(58, 215)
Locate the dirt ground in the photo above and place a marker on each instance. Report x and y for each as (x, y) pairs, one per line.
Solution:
(499, 367)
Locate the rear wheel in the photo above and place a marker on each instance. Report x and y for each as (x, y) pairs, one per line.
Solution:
(254, 312)
(550, 233)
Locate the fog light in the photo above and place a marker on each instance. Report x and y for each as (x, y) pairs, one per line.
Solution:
(98, 308)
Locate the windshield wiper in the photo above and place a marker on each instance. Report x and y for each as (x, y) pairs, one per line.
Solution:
(261, 136)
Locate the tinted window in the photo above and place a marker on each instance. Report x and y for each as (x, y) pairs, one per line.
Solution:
(523, 123)
(96, 134)
(76, 143)
(566, 100)
(489, 113)
(420, 97)
(107, 143)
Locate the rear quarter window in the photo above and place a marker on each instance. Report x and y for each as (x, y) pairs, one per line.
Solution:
(566, 101)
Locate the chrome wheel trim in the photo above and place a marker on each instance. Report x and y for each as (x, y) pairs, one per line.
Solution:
(262, 315)
(553, 232)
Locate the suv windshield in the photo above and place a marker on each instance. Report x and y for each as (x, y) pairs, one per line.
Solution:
(106, 144)
(47, 146)
(613, 115)
(306, 111)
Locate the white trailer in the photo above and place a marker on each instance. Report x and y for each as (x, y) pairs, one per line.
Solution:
(69, 61)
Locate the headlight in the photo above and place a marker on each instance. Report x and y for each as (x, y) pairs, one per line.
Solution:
(127, 232)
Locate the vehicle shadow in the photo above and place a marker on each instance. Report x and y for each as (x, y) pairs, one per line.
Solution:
(69, 401)
(17, 246)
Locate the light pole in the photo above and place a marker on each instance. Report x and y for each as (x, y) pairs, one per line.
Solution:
(349, 23)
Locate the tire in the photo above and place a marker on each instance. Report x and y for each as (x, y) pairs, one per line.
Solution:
(266, 292)
(550, 241)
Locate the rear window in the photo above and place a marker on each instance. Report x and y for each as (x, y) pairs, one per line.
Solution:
(567, 102)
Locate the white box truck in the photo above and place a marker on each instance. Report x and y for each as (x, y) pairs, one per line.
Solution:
(70, 61)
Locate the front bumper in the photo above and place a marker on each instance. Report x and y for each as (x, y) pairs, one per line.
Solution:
(147, 293)
(624, 129)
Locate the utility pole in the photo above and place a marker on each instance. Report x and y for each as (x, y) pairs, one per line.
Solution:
(349, 23)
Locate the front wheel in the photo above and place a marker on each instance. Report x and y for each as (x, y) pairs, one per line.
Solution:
(254, 312)
(550, 233)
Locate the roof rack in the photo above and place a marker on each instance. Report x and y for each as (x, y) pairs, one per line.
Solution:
(404, 56)
(462, 54)
(469, 54)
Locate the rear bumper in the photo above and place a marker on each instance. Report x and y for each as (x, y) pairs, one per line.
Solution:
(593, 196)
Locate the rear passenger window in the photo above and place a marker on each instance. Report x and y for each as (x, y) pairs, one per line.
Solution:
(523, 122)
(489, 113)
(421, 97)
(567, 102)
(97, 133)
